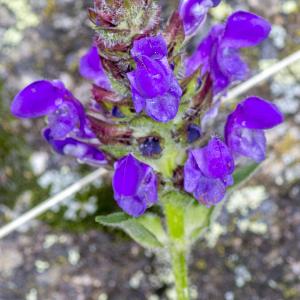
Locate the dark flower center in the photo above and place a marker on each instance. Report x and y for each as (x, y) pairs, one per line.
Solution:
(193, 133)
(150, 146)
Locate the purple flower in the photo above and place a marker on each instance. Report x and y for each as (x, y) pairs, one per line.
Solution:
(194, 12)
(154, 86)
(91, 68)
(244, 130)
(84, 152)
(219, 54)
(65, 113)
(208, 171)
(135, 185)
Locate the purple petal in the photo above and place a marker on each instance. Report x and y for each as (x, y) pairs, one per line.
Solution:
(122, 185)
(258, 113)
(202, 55)
(209, 191)
(155, 89)
(154, 86)
(221, 81)
(246, 142)
(163, 108)
(86, 153)
(63, 120)
(193, 13)
(69, 118)
(228, 180)
(231, 64)
(153, 47)
(244, 29)
(214, 160)
(151, 77)
(135, 185)
(192, 174)
(36, 100)
(148, 188)
(91, 68)
(133, 206)
(84, 129)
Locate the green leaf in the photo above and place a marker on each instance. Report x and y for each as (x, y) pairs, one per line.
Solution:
(112, 220)
(243, 174)
(153, 223)
(133, 227)
(140, 234)
(197, 218)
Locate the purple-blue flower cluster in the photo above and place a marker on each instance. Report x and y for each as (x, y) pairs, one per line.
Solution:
(68, 125)
(135, 185)
(155, 88)
(208, 171)
(244, 130)
(218, 54)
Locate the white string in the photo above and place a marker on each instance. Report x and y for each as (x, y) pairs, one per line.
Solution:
(261, 77)
(47, 204)
(77, 186)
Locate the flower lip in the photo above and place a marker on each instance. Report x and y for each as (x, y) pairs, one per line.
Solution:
(214, 160)
(84, 152)
(245, 29)
(36, 100)
(258, 113)
(209, 191)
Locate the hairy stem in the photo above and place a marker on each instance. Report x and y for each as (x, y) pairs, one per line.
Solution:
(177, 247)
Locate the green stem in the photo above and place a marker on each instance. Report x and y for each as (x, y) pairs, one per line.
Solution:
(179, 269)
(177, 247)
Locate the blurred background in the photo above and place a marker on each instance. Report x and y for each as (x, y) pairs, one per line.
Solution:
(252, 252)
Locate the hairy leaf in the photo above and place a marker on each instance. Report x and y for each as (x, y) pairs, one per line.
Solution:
(134, 228)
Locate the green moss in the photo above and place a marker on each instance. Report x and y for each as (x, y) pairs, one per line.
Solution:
(16, 175)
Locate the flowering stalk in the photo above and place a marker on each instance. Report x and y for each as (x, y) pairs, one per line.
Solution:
(149, 115)
(178, 247)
